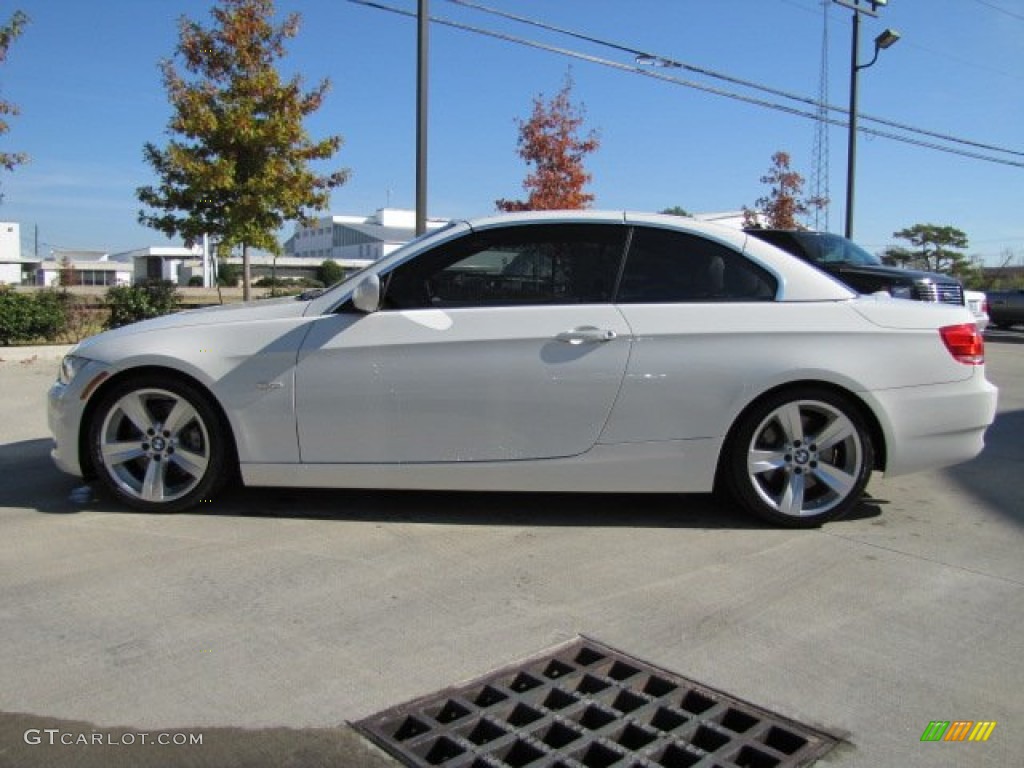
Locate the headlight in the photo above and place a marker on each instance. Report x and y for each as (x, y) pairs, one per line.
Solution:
(70, 367)
(901, 292)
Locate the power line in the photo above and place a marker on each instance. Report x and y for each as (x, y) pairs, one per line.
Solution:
(636, 69)
(942, 54)
(664, 61)
(995, 7)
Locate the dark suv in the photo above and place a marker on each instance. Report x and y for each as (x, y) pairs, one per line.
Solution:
(860, 270)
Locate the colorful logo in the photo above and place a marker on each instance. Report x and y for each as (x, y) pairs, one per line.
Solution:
(958, 730)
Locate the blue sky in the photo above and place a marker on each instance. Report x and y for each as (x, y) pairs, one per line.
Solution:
(85, 76)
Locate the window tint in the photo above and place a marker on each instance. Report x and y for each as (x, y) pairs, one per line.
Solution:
(667, 266)
(545, 264)
(836, 249)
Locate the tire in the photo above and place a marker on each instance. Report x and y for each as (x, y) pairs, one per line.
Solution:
(158, 445)
(800, 457)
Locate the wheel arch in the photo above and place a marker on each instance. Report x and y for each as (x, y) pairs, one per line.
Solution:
(85, 456)
(874, 426)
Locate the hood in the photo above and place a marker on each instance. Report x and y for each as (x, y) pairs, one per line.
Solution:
(272, 309)
(896, 273)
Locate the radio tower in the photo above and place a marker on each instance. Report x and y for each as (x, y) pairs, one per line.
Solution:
(819, 182)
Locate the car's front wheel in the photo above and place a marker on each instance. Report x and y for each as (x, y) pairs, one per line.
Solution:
(157, 444)
(800, 457)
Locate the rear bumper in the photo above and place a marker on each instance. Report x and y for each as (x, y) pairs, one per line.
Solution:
(937, 425)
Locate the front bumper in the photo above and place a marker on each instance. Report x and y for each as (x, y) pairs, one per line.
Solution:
(66, 404)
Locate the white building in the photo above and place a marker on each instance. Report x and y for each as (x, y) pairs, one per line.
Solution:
(12, 266)
(355, 238)
(10, 240)
(161, 262)
(88, 268)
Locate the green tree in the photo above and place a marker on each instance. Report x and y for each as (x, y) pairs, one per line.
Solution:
(550, 141)
(238, 165)
(935, 248)
(784, 204)
(329, 272)
(676, 210)
(10, 32)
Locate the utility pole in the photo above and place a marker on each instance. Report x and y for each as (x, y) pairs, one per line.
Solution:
(422, 49)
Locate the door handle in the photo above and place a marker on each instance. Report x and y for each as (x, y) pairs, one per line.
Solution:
(586, 334)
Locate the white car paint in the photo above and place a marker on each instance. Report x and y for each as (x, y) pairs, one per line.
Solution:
(495, 398)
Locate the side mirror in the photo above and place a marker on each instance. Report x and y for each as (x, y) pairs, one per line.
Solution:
(366, 296)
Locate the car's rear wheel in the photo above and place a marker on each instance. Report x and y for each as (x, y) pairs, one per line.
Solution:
(157, 444)
(800, 457)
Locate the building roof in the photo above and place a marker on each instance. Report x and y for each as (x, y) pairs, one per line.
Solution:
(163, 251)
(58, 254)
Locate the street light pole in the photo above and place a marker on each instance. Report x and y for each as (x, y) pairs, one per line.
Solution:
(884, 40)
(851, 141)
(423, 24)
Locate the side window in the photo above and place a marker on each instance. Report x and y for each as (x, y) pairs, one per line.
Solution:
(666, 266)
(527, 264)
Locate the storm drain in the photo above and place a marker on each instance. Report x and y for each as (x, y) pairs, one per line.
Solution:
(585, 705)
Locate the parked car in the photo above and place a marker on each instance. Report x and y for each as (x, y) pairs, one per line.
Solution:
(1006, 308)
(559, 351)
(861, 270)
(977, 302)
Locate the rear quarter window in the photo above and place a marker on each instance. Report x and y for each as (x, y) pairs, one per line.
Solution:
(664, 266)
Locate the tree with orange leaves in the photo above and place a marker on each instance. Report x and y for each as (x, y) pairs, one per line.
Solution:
(9, 32)
(782, 206)
(551, 142)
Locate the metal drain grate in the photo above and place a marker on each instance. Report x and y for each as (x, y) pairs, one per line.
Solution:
(585, 705)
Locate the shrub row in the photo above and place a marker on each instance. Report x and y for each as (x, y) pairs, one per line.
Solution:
(49, 314)
(29, 316)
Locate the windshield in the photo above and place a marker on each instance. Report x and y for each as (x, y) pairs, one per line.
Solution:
(326, 297)
(838, 250)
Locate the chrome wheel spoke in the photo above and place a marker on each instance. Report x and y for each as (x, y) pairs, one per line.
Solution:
(134, 409)
(836, 432)
(119, 453)
(792, 501)
(791, 422)
(759, 462)
(192, 463)
(179, 417)
(153, 483)
(838, 481)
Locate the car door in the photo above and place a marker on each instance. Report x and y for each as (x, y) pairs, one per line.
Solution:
(698, 311)
(499, 345)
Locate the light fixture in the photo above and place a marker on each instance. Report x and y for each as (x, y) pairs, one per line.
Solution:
(886, 39)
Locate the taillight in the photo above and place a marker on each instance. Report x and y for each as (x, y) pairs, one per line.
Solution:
(965, 343)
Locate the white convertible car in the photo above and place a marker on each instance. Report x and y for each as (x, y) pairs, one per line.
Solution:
(561, 351)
